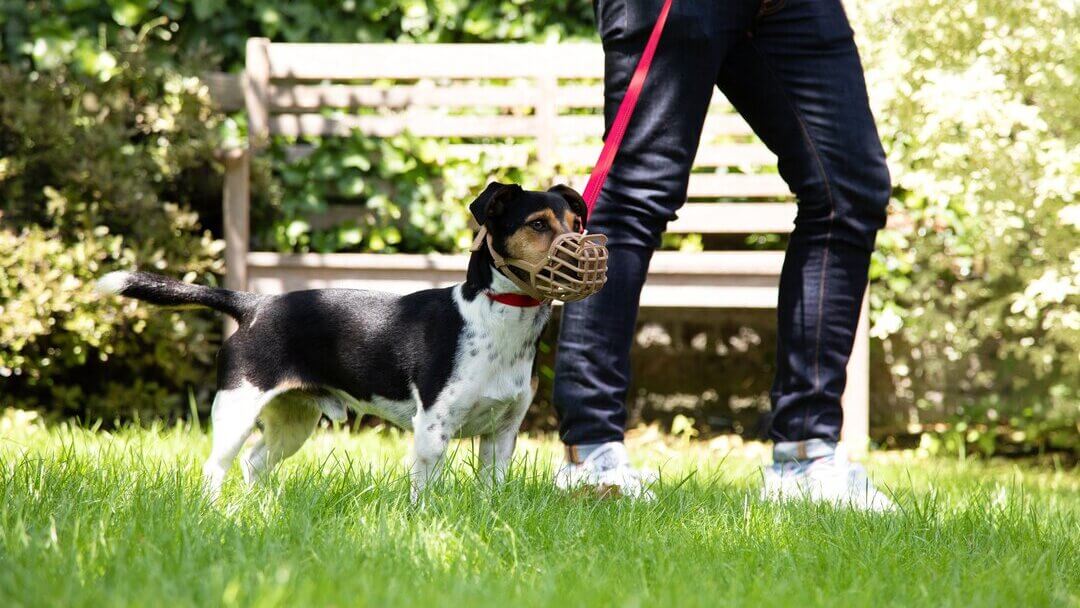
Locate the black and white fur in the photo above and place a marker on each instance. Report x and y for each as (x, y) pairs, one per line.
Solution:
(443, 362)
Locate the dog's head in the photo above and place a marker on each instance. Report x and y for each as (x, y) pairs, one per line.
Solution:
(523, 224)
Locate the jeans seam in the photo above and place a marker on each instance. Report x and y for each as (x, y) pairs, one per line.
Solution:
(832, 215)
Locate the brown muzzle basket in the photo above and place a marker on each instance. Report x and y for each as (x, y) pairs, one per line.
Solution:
(574, 269)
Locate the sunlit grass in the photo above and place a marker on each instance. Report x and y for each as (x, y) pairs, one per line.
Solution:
(93, 518)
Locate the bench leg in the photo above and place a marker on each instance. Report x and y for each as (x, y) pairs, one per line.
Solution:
(236, 201)
(855, 435)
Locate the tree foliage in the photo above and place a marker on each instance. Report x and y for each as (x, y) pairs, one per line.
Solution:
(51, 31)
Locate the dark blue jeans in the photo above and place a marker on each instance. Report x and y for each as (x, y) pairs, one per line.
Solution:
(790, 67)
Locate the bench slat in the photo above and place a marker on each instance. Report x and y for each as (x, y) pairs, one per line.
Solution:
(696, 218)
(750, 263)
(409, 61)
(673, 263)
(290, 97)
(721, 155)
(709, 280)
(593, 126)
(297, 125)
(585, 156)
(658, 294)
(436, 125)
(734, 218)
(737, 185)
(592, 96)
(725, 185)
(315, 97)
(515, 155)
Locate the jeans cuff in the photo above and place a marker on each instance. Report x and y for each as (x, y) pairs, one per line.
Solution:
(796, 451)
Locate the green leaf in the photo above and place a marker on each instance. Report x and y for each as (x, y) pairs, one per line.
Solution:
(352, 186)
(356, 161)
(350, 236)
(376, 242)
(128, 13)
(204, 9)
(296, 228)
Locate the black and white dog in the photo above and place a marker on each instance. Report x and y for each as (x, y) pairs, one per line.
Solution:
(452, 362)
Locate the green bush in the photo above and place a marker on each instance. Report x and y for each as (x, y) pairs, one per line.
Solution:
(95, 174)
(976, 296)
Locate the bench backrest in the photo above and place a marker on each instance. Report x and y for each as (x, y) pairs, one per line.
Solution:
(507, 100)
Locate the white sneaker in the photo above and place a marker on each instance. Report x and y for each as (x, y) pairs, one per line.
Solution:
(830, 478)
(607, 472)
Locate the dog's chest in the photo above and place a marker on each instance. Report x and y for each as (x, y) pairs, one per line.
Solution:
(493, 371)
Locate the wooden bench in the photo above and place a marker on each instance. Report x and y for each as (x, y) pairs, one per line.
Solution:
(512, 100)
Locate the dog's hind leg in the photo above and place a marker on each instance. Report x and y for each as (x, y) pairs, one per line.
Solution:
(233, 416)
(287, 422)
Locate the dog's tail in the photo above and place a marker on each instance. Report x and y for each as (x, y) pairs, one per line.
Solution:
(164, 291)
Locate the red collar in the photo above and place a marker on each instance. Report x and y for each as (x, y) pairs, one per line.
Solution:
(514, 299)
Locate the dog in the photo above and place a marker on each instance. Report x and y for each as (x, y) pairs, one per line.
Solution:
(444, 363)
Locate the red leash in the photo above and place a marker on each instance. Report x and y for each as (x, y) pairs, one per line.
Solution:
(611, 144)
(626, 110)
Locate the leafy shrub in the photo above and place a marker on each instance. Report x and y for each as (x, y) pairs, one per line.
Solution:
(977, 290)
(402, 194)
(95, 173)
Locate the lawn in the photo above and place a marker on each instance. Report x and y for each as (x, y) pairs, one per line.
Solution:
(113, 519)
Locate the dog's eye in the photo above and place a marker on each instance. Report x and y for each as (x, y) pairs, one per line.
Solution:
(538, 225)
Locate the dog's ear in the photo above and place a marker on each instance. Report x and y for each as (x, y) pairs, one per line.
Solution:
(492, 201)
(577, 204)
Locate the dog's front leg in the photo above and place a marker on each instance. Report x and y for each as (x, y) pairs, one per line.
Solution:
(431, 436)
(497, 448)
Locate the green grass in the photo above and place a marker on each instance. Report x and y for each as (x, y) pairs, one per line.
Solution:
(114, 519)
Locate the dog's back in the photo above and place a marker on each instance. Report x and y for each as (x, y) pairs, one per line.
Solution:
(365, 343)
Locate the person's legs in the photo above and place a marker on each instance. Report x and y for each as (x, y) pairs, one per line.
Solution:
(592, 365)
(645, 187)
(797, 79)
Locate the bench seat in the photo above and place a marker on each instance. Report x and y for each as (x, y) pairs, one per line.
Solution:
(707, 279)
